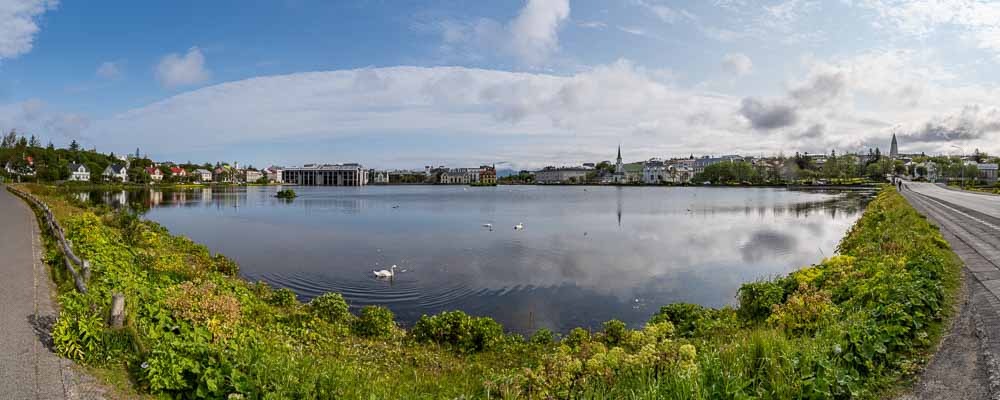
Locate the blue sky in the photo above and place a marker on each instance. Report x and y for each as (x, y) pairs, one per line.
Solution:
(402, 84)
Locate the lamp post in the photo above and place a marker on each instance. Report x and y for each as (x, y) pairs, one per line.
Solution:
(961, 163)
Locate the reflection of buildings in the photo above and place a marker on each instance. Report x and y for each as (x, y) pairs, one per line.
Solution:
(155, 198)
(327, 175)
(116, 198)
(83, 196)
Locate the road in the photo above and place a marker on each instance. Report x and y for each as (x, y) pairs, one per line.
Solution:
(28, 367)
(966, 365)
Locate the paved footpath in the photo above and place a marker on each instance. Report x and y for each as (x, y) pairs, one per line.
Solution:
(966, 366)
(28, 367)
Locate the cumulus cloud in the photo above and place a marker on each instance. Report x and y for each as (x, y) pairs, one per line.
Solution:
(535, 31)
(109, 70)
(972, 122)
(570, 116)
(532, 37)
(767, 116)
(19, 24)
(820, 89)
(182, 70)
(738, 64)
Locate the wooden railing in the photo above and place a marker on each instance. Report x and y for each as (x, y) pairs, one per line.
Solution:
(71, 260)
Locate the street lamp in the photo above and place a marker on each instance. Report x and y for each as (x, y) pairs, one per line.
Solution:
(961, 163)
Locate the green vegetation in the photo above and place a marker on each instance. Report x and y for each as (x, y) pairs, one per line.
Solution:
(849, 327)
(286, 194)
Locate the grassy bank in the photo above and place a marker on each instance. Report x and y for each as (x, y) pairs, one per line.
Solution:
(849, 327)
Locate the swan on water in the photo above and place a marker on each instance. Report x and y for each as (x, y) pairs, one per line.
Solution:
(386, 274)
(519, 226)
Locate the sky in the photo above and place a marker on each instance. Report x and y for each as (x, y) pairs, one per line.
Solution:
(517, 83)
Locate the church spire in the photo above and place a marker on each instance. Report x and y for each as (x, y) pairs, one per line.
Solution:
(893, 147)
(619, 153)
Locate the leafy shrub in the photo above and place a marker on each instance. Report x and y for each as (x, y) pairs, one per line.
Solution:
(458, 329)
(205, 304)
(225, 265)
(331, 307)
(543, 337)
(614, 332)
(576, 337)
(804, 312)
(374, 321)
(690, 320)
(758, 298)
(283, 297)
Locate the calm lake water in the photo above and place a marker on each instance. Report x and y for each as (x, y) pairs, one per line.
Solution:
(585, 255)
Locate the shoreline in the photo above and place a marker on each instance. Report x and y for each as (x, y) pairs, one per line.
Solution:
(704, 335)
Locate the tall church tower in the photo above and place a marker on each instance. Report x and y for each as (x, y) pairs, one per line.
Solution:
(619, 166)
(893, 148)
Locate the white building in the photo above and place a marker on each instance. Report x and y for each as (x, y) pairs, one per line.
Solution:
(79, 172)
(154, 174)
(380, 177)
(350, 174)
(274, 174)
(562, 175)
(203, 175)
(253, 175)
(115, 173)
(655, 172)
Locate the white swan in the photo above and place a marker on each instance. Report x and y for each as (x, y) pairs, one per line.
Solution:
(386, 274)
(519, 226)
(488, 226)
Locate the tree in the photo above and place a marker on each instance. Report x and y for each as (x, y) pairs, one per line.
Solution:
(9, 139)
(34, 142)
(74, 146)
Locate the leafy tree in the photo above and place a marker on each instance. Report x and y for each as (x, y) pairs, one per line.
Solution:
(74, 146)
(33, 142)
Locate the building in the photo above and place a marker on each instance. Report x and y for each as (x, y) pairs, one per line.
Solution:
(178, 172)
(224, 174)
(274, 174)
(680, 173)
(154, 174)
(462, 176)
(987, 172)
(379, 177)
(619, 177)
(700, 163)
(655, 172)
(78, 172)
(253, 175)
(488, 175)
(202, 175)
(550, 175)
(893, 148)
(327, 175)
(115, 173)
(927, 170)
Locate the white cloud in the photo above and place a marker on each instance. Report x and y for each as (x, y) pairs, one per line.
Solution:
(592, 24)
(738, 64)
(664, 13)
(535, 31)
(979, 21)
(34, 117)
(109, 70)
(578, 114)
(181, 70)
(18, 25)
(532, 37)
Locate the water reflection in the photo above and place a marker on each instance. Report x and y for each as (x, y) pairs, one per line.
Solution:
(586, 255)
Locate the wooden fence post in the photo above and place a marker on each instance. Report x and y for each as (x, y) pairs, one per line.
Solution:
(117, 318)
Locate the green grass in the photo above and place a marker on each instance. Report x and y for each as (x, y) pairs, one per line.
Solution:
(856, 325)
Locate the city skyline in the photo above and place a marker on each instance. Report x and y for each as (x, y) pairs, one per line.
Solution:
(520, 83)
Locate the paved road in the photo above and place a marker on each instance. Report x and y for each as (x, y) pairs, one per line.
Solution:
(966, 365)
(28, 368)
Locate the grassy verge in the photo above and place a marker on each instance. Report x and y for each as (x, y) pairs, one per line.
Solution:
(851, 326)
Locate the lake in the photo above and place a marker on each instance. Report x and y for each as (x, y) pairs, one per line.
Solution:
(586, 254)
